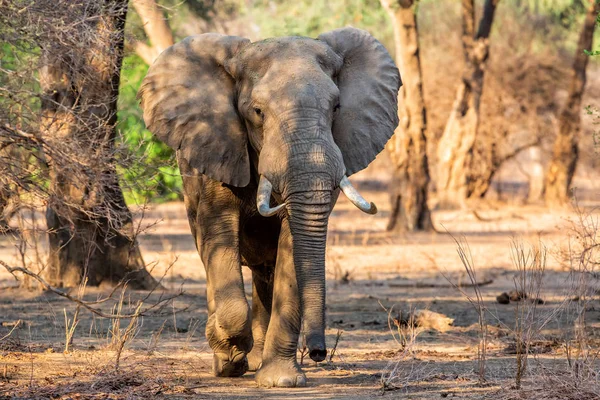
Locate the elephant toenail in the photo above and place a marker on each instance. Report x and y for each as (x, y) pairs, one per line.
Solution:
(300, 380)
(285, 382)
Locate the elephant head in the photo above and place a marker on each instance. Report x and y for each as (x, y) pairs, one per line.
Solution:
(301, 114)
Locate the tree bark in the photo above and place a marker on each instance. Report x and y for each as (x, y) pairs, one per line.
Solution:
(565, 151)
(455, 182)
(408, 146)
(491, 157)
(536, 176)
(156, 28)
(90, 229)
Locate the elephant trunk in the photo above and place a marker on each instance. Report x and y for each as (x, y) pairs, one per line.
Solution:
(308, 218)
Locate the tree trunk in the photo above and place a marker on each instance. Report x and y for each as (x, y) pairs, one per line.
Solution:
(565, 152)
(455, 148)
(156, 28)
(90, 228)
(491, 156)
(4, 200)
(408, 146)
(536, 176)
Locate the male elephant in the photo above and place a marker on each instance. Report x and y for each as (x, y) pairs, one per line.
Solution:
(266, 134)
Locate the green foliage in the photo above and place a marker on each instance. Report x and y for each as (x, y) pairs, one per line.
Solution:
(147, 166)
(564, 12)
(594, 52)
(310, 18)
(21, 103)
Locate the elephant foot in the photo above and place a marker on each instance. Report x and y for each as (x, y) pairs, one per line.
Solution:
(230, 336)
(280, 373)
(255, 359)
(225, 365)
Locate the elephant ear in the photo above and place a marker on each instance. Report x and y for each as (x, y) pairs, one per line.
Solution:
(368, 82)
(188, 100)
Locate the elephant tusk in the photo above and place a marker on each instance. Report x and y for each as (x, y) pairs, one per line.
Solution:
(263, 198)
(356, 198)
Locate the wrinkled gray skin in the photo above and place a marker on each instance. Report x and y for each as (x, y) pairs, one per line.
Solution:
(302, 113)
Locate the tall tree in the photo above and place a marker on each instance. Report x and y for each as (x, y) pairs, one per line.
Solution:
(156, 28)
(565, 151)
(408, 146)
(454, 182)
(90, 228)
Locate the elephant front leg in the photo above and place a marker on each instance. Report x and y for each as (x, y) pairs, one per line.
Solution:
(228, 329)
(214, 215)
(279, 365)
(262, 296)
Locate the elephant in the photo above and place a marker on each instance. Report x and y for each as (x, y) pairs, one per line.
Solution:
(266, 134)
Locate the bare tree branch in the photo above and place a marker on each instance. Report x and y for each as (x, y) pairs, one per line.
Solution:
(87, 305)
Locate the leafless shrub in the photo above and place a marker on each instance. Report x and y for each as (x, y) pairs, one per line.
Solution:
(340, 274)
(575, 376)
(530, 266)
(476, 300)
(155, 338)
(120, 337)
(17, 324)
(399, 375)
(302, 348)
(131, 382)
(529, 321)
(90, 306)
(335, 345)
(191, 331)
(403, 327)
(405, 369)
(70, 326)
(582, 356)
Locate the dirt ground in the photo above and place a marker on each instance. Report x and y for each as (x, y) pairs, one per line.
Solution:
(372, 275)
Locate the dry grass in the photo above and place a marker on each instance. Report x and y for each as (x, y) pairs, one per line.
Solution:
(131, 382)
(575, 376)
(405, 370)
(476, 301)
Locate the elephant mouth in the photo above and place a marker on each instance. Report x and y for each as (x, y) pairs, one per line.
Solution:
(265, 189)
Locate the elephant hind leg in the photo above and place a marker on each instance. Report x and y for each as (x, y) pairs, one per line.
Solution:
(262, 297)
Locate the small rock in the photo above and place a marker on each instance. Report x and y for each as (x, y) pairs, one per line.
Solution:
(503, 298)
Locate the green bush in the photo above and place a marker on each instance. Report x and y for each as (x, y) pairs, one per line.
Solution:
(147, 167)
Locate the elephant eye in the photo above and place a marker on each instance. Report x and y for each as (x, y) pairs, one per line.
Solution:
(258, 111)
(337, 107)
